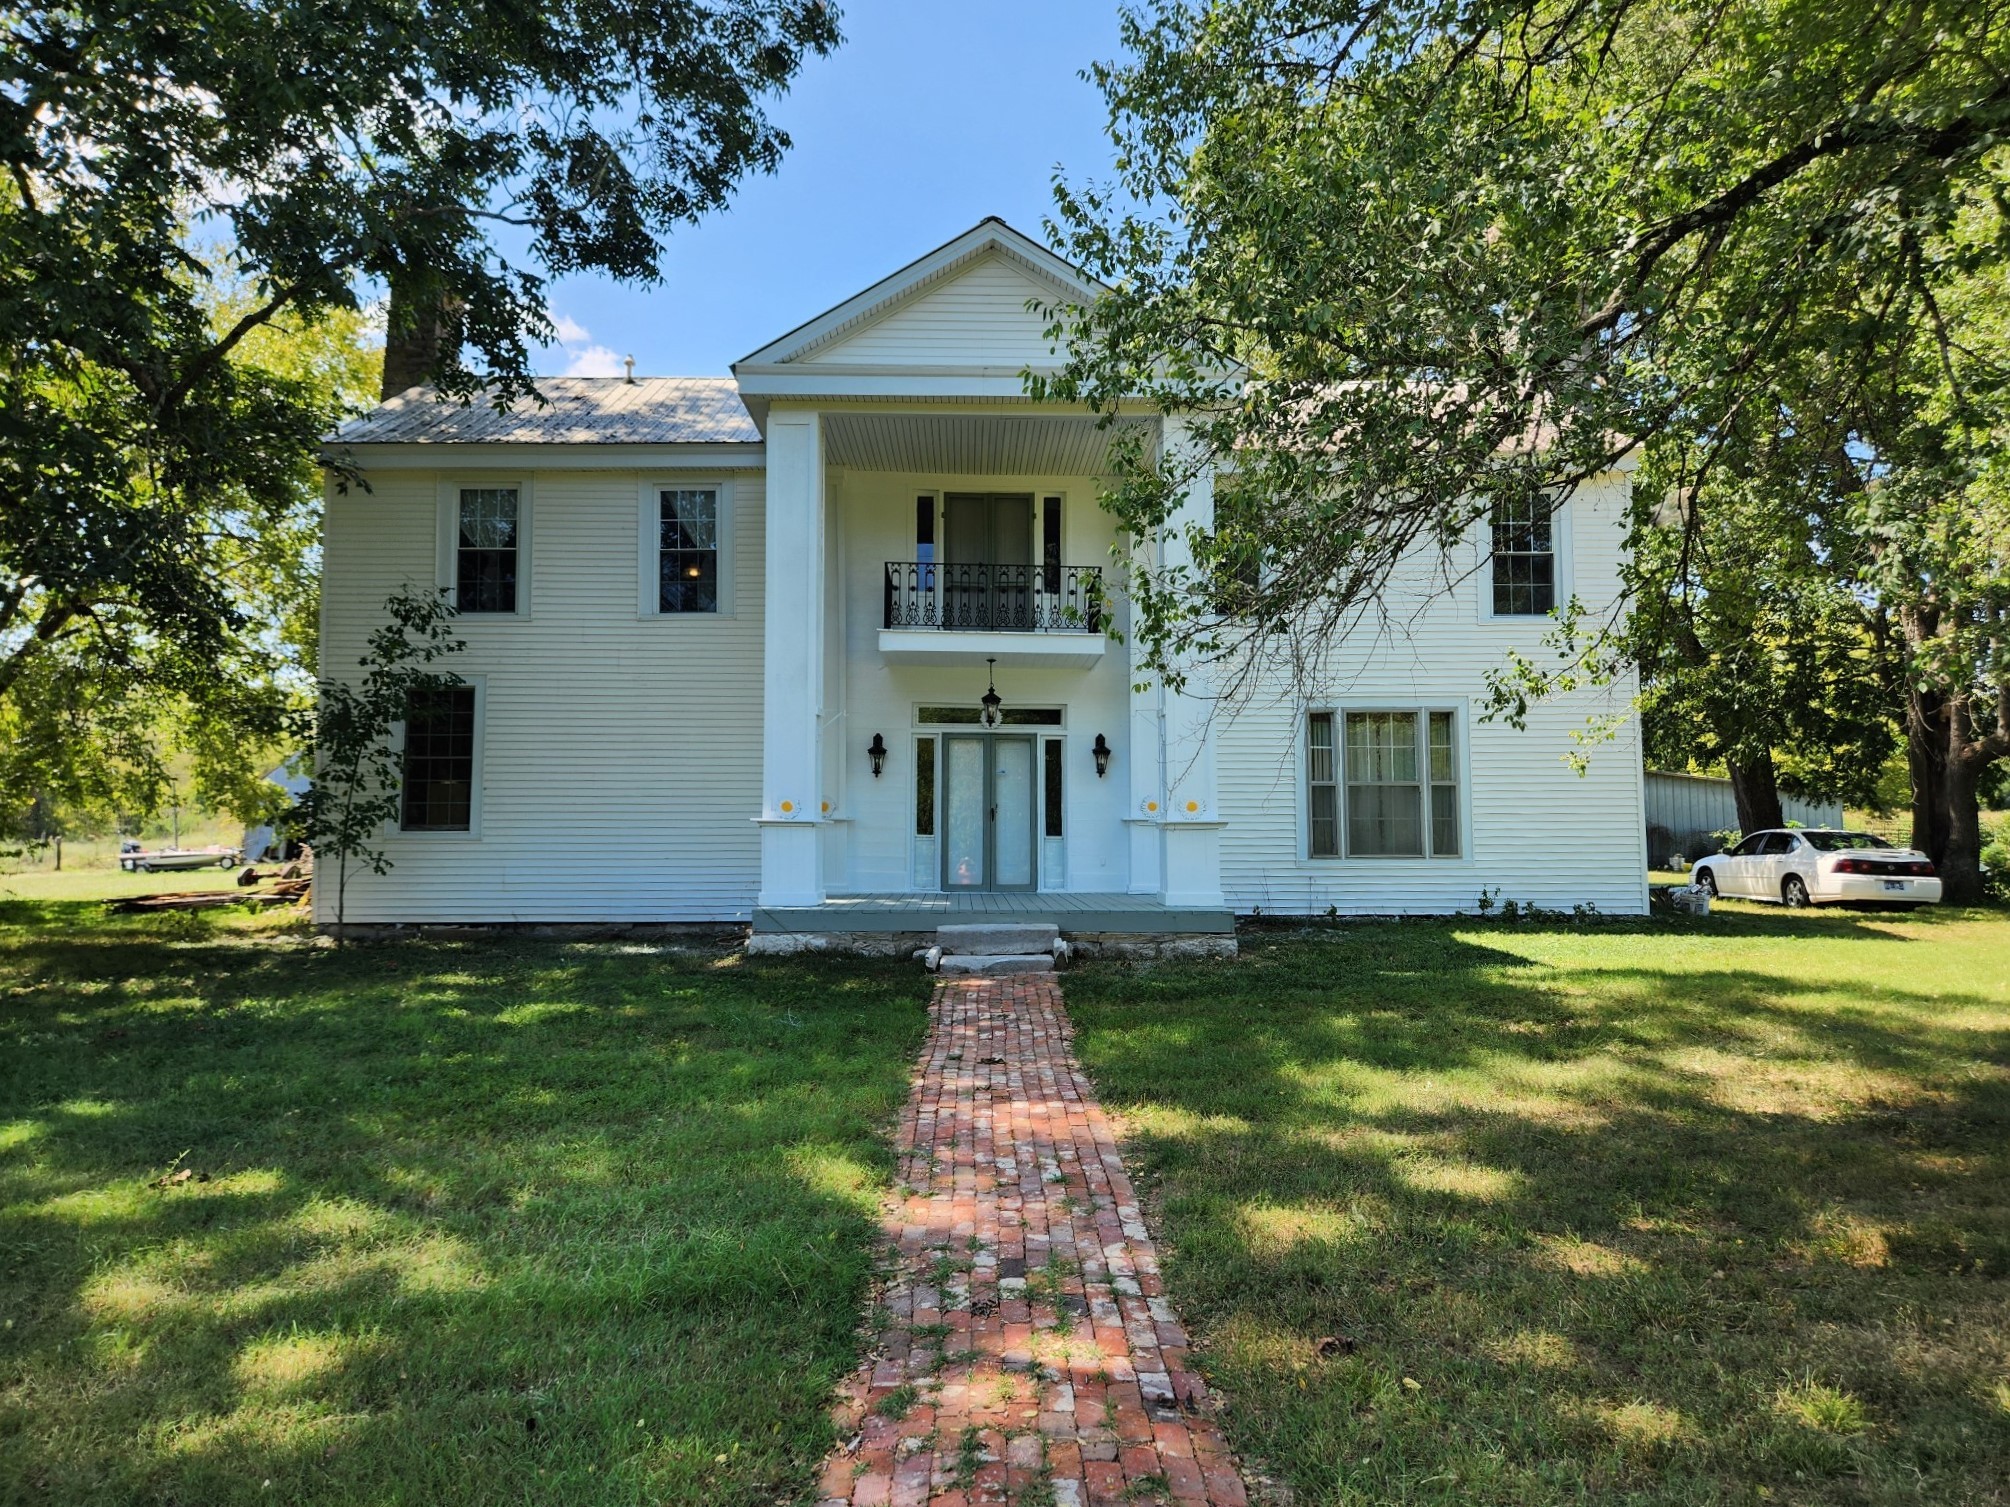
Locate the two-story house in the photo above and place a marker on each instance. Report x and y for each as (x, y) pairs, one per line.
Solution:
(824, 646)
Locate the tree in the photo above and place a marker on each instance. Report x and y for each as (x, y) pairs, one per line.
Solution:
(358, 774)
(95, 718)
(459, 154)
(1407, 260)
(1404, 260)
(1753, 654)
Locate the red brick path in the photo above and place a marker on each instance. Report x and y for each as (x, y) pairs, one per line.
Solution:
(1027, 1352)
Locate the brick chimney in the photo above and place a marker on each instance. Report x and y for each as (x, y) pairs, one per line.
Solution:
(413, 342)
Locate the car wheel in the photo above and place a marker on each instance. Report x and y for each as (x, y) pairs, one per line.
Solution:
(1794, 892)
(1706, 881)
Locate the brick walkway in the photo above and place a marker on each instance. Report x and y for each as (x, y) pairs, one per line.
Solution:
(1027, 1353)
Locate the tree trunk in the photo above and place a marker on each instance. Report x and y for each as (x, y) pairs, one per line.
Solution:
(1926, 759)
(417, 333)
(1756, 789)
(1960, 860)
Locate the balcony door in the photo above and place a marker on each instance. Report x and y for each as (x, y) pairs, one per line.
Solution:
(988, 810)
(987, 550)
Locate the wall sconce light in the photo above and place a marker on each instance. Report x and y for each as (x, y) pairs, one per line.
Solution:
(876, 752)
(1102, 753)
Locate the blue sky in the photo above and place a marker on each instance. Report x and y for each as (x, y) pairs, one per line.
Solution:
(929, 117)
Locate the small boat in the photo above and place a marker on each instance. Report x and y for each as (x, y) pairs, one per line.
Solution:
(164, 859)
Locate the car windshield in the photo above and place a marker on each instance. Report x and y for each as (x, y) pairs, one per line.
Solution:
(1844, 842)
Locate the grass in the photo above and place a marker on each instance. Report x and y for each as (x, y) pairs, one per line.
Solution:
(1683, 1211)
(462, 1223)
(74, 883)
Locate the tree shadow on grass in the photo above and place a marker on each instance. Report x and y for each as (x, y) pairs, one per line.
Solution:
(465, 1223)
(1666, 1217)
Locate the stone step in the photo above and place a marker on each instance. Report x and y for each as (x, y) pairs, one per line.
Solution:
(992, 965)
(996, 938)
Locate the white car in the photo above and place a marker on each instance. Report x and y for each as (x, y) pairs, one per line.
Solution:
(1817, 866)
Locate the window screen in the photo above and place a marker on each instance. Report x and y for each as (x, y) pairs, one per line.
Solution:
(688, 550)
(1444, 789)
(439, 776)
(1384, 803)
(1322, 782)
(485, 558)
(1524, 559)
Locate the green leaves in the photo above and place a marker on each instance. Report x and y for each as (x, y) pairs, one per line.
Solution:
(1403, 262)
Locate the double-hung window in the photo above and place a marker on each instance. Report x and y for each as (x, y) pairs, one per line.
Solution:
(687, 549)
(439, 772)
(487, 543)
(1382, 784)
(1524, 559)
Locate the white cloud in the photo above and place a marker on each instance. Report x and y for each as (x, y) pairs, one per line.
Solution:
(570, 330)
(592, 361)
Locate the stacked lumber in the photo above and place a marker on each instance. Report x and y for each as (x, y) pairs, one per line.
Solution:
(289, 886)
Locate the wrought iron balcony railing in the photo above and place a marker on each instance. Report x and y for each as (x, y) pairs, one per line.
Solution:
(995, 598)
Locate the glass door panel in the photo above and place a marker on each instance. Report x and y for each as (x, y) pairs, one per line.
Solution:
(988, 546)
(964, 810)
(1012, 813)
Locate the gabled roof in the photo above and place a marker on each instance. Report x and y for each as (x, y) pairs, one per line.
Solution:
(578, 411)
(990, 237)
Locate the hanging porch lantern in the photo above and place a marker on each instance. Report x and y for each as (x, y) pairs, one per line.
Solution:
(991, 701)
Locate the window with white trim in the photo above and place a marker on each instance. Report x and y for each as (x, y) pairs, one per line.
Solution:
(1524, 559)
(687, 549)
(1382, 784)
(486, 549)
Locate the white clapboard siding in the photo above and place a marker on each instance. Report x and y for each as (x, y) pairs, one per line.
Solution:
(1538, 831)
(976, 316)
(621, 754)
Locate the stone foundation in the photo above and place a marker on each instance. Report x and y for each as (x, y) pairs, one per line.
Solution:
(685, 933)
(1126, 945)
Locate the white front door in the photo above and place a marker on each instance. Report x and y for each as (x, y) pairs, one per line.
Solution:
(988, 807)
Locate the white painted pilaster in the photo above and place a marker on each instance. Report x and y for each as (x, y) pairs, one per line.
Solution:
(792, 794)
(1191, 873)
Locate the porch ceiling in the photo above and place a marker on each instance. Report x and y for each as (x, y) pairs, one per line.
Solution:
(955, 444)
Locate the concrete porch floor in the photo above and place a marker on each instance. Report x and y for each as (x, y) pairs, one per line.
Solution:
(1070, 911)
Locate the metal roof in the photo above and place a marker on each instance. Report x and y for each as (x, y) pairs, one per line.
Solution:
(577, 411)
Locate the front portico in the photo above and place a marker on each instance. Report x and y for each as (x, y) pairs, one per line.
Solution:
(930, 537)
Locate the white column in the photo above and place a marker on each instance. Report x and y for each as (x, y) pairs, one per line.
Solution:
(1191, 873)
(792, 675)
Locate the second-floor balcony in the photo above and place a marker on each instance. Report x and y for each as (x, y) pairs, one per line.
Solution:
(936, 612)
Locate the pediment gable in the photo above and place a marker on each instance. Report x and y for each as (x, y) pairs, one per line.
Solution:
(972, 304)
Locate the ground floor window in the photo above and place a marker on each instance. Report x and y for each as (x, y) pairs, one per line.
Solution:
(439, 774)
(1382, 784)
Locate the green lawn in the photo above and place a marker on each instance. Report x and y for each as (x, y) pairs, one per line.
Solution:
(465, 1223)
(1689, 1211)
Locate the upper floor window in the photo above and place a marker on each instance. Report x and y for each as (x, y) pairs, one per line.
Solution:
(687, 561)
(486, 549)
(1382, 785)
(1524, 559)
(439, 773)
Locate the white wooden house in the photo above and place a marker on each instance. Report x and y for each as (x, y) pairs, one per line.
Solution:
(728, 639)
